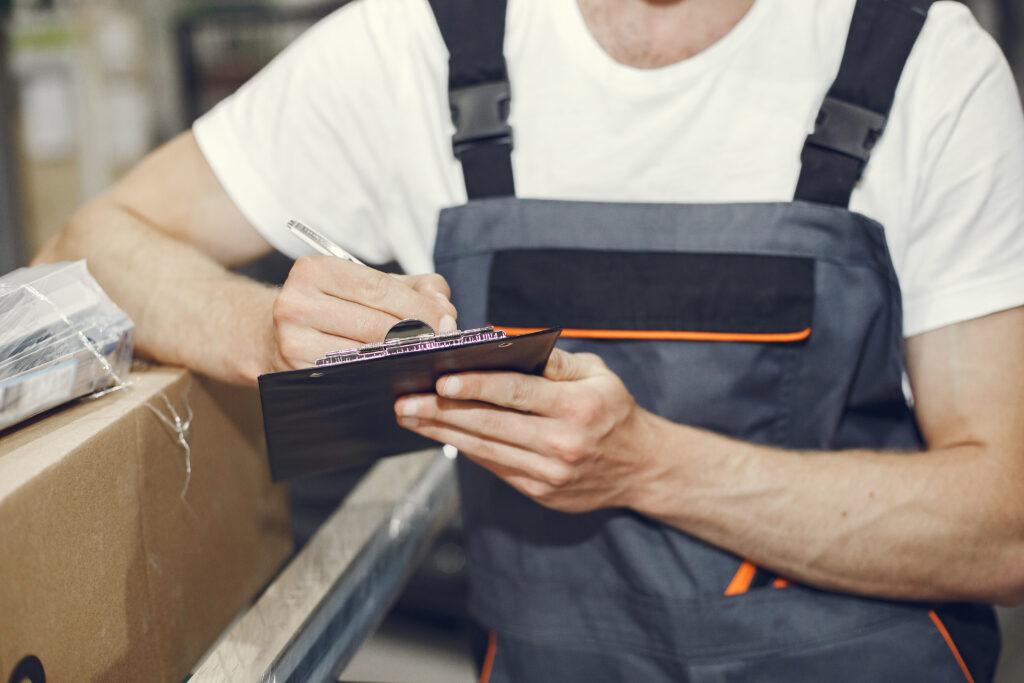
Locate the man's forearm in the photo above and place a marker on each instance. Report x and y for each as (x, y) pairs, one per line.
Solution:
(942, 524)
(188, 309)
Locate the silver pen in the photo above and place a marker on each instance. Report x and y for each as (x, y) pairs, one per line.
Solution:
(319, 242)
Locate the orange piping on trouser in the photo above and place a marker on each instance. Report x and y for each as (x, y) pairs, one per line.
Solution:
(952, 646)
(492, 648)
(745, 576)
(668, 335)
(741, 580)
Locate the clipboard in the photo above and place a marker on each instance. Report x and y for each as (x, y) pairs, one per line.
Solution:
(337, 417)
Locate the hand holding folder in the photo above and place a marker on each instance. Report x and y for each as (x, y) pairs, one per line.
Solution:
(341, 416)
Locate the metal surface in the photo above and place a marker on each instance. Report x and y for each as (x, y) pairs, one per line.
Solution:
(10, 226)
(309, 623)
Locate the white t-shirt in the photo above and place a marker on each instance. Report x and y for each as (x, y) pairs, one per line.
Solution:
(349, 130)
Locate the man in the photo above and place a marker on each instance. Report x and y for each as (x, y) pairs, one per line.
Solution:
(733, 487)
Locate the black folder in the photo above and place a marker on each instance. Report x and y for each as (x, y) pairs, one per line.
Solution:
(338, 417)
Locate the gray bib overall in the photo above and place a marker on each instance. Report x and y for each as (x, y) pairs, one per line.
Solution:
(777, 324)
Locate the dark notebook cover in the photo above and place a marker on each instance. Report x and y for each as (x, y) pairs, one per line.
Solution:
(342, 416)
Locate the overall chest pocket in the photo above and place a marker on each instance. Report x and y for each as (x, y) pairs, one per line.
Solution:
(706, 339)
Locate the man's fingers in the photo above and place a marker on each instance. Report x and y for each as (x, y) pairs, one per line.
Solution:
(375, 290)
(478, 418)
(433, 285)
(504, 459)
(525, 393)
(513, 390)
(300, 347)
(332, 316)
(329, 304)
(569, 367)
(436, 291)
(537, 434)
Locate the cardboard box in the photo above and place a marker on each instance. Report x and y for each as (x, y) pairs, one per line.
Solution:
(106, 574)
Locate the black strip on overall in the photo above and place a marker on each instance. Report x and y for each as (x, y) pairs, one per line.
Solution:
(854, 113)
(479, 93)
(712, 293)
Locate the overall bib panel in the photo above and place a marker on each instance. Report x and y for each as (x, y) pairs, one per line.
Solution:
(778, 324)
(614, 586)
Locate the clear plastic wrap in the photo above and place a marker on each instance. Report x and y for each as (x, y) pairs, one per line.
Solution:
(61, 337)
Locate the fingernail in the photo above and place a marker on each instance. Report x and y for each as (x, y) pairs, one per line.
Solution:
(452, 386)
(447, 324)
(409, 422)
(409, 407)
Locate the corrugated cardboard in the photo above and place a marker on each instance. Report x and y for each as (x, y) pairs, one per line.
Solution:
(105, 573)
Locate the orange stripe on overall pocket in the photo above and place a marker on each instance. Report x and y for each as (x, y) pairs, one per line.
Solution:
(664, 335)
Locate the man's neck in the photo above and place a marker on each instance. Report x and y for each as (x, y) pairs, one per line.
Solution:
(648, 34)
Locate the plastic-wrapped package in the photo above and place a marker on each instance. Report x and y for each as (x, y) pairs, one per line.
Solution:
(61, 337)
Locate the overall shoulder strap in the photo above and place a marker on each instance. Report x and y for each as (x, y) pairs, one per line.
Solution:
(855, 111)
(479, 93)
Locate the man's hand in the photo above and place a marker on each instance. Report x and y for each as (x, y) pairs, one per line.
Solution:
(328, 304)
(573, 440)
(160, 243)
(946, 523)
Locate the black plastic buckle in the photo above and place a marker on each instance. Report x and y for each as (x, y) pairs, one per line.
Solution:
(480, 114)
(847, 128)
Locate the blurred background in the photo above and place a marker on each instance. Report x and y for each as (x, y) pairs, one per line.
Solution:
(88, 87)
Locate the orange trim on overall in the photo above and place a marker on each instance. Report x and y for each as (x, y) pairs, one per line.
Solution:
(952, 646)
(492, 649)
(745, 576)
(667, 335)
(741, 581)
